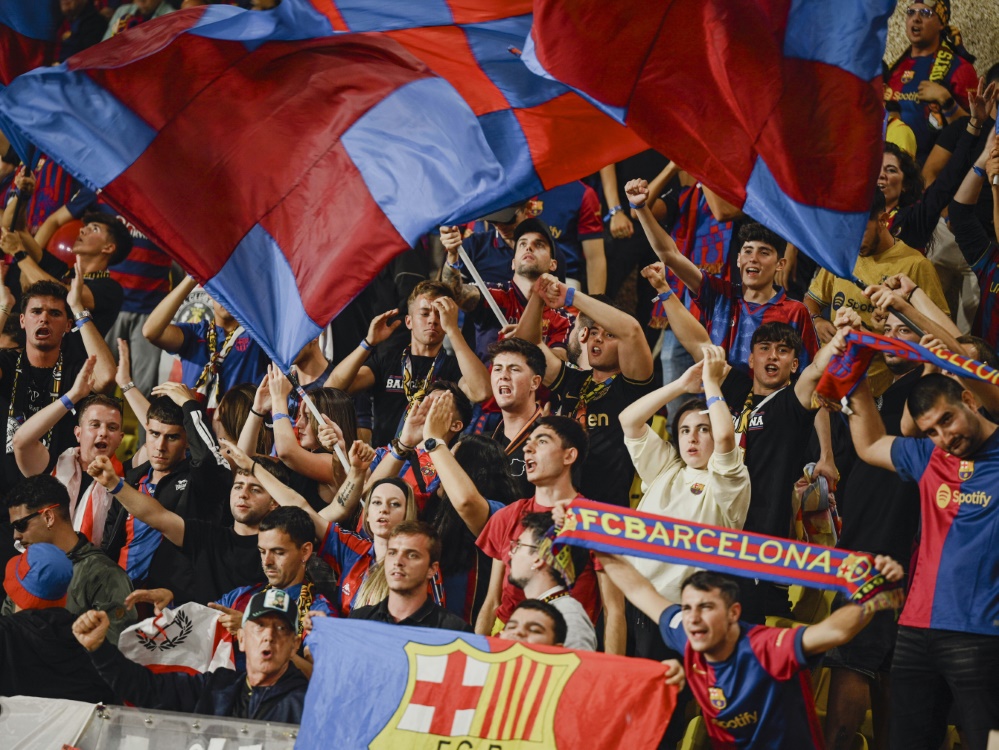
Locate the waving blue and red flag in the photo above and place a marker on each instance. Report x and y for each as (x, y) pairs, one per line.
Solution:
(383, 686)
(283, 157)
(776, 105)
(27, 35)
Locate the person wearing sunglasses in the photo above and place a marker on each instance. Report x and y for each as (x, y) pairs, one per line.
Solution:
(39, 514)
(932, 78)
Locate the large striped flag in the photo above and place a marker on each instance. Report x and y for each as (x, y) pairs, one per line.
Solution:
(776, 105)
(27, 33)
(283, 157)
(390, 686)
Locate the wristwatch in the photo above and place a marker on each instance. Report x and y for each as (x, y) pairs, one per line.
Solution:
(430, 444)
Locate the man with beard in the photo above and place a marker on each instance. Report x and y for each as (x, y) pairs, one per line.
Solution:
(98, 432)
(947, 651)
(534, 255)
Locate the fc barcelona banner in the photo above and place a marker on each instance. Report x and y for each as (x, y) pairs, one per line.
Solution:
(386, 687)
(846, 370)
(619, 531)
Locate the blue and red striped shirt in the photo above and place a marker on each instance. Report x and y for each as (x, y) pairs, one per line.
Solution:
(141, 539)
(986, 323)
(760, 696)
(954, 583)
(731, 321)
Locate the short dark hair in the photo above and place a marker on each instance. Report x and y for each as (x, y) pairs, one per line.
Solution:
(274, 466)
(538, 524)
(430, 288)
(693, 404)
(912, 177)
(293, 521)
(984, 352)
(931, 388)
(120, 235)
(96, 399)
(756, 232)
(38, 492)
(561, 628)
(705, 580)
(531, 353)
(45, 288)
(461, 401)
(570, 433)
(420, 528)
(164, 410)
(776, 332)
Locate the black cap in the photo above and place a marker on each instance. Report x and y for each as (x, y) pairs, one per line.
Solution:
(505, 215)
(534, 225)
(272, 602)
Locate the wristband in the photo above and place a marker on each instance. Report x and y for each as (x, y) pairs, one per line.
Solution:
(365, 345)
(395, 455)
(278, 415)
(663, 296)
(82, 321)
(632, 205)
(256, 413)
(616, 210)
(117, 487)
(129, 386)
(67, 402)
(715, 400)
(570, 294)
(908, 297)
(20, 255)
(979, 171)
(457, 266)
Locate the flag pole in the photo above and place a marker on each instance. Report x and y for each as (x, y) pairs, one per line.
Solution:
(483, 289)
(319, 417)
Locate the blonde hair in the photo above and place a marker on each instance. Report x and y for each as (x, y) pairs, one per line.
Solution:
(375, 586)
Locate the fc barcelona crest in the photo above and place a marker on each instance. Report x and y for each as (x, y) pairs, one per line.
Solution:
(965, 470)
(458, 696)
(697, 488)
(908, 75)
(717, 697)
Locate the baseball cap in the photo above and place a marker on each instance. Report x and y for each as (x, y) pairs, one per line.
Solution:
(505, 215)
(534, 225)
(272, 602)
(39, 578)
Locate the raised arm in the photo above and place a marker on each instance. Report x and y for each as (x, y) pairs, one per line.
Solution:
(846, 319)
(159, 328)
(30, 453)
(529, 328)
(147, 509)
(637, 588)
(844, 624)
(662, 243)
(872, 444)
(635, 416)
(93, 342)
(461, 491)
(715, 368)
(688, 330)
(468, 295)
(360, 457)
(620, 223)
(254, 423)
(316, 466)
(352, 375)
(634, 355)
(474, 381)
(660, 181)
(123, 377)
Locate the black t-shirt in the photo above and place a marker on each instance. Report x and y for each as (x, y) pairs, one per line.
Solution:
(607, 471)
(222, 559)
(387, 393)
(776, 442)
(881, 512)
(516, 456)
(107, 292)
(34, 393)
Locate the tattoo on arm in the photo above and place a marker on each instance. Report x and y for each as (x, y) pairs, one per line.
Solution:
(344, 493)
(467, 295)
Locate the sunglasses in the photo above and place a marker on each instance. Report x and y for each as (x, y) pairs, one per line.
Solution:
(924, 12)
(21, 524)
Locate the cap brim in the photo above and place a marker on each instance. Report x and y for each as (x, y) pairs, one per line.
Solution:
(503, 216)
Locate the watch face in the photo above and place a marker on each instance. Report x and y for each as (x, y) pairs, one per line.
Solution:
(431, 444)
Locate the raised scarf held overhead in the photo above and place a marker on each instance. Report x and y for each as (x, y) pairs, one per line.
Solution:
(845, 371)
(619, 531)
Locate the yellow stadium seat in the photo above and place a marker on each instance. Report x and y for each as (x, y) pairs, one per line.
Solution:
(696, 736)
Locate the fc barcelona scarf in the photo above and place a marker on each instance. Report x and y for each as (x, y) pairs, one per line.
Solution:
(619, 531)
(845, 371)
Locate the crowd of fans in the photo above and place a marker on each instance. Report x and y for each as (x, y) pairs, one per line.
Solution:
(640, 342)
